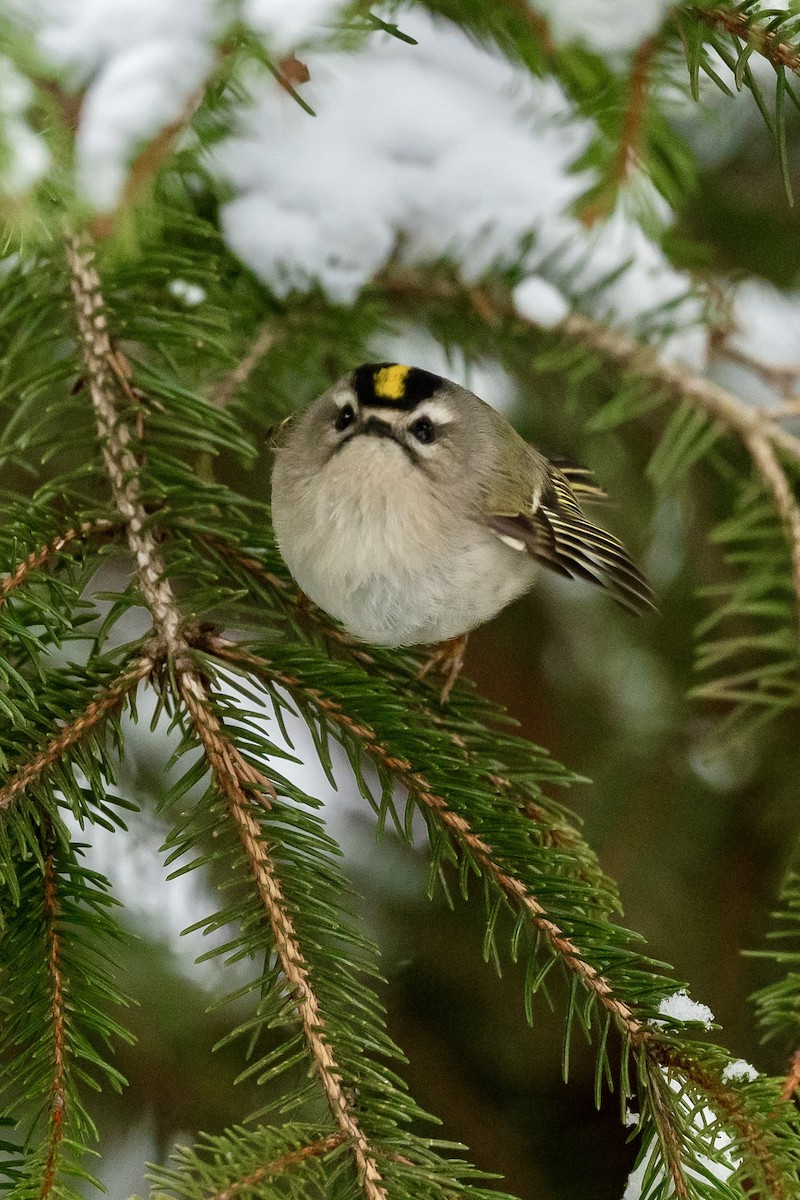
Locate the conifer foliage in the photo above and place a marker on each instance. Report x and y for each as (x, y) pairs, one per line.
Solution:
(130, 407)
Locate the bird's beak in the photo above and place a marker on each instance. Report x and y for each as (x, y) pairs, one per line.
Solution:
(375, 427)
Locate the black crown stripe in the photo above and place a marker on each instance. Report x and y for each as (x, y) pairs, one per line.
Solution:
(417, 385)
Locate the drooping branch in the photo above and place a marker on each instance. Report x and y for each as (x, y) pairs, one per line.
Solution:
(58, 1093)
(655, 1053)
(110, 701)
(427, 798)
(236, 780)
(728, 1103)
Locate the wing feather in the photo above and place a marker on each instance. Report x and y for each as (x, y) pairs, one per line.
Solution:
(557, 533)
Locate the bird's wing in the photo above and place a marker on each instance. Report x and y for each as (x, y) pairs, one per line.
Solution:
(556, 533)
(583, 483)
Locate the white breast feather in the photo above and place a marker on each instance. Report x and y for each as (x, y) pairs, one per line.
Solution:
(371, 543)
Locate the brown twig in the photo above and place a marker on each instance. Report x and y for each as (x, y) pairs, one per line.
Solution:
(61, 541)
(784, 378)
(226, 388)
(57, 1010)
(792, 1081)
(536, 22)
(222, 394)
(235, 778)
(144, 167)
(280, 1165)
(631, 136)
(774, 477)
(670, 1143)
(95, 712)
(767, 43)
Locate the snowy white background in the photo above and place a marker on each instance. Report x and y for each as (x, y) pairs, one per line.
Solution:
(443, 148)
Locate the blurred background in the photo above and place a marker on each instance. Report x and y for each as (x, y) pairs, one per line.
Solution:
(458, 150)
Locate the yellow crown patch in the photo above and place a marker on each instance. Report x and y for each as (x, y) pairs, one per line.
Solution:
(390, 382)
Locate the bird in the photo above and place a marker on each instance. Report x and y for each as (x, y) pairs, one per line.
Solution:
(411, 511)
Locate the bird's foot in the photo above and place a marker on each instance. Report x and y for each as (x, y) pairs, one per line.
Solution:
(446, 659)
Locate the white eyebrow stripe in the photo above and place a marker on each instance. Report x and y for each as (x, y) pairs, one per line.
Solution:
(435, 410)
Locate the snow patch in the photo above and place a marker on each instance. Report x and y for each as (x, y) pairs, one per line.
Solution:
(191, 294)
(739, 1069)
(606, 26)
(537, 300)
(488, 183)
(718, 1141)
(680, 1007)
(28, 157)
(290, 23)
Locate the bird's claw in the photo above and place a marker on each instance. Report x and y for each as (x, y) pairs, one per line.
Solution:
(446, 659)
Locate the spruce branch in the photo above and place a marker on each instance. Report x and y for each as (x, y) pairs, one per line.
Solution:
(236, 779)
(744, 28)
(426, 797)
(86, 530)
(655, 1053)
(279, 1166)
(729, 1102)
(98, 709)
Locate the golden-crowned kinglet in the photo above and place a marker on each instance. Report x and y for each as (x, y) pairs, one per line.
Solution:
(411, 511)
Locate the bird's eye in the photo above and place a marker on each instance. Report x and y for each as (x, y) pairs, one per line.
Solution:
(423, 430)
(345, 417)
